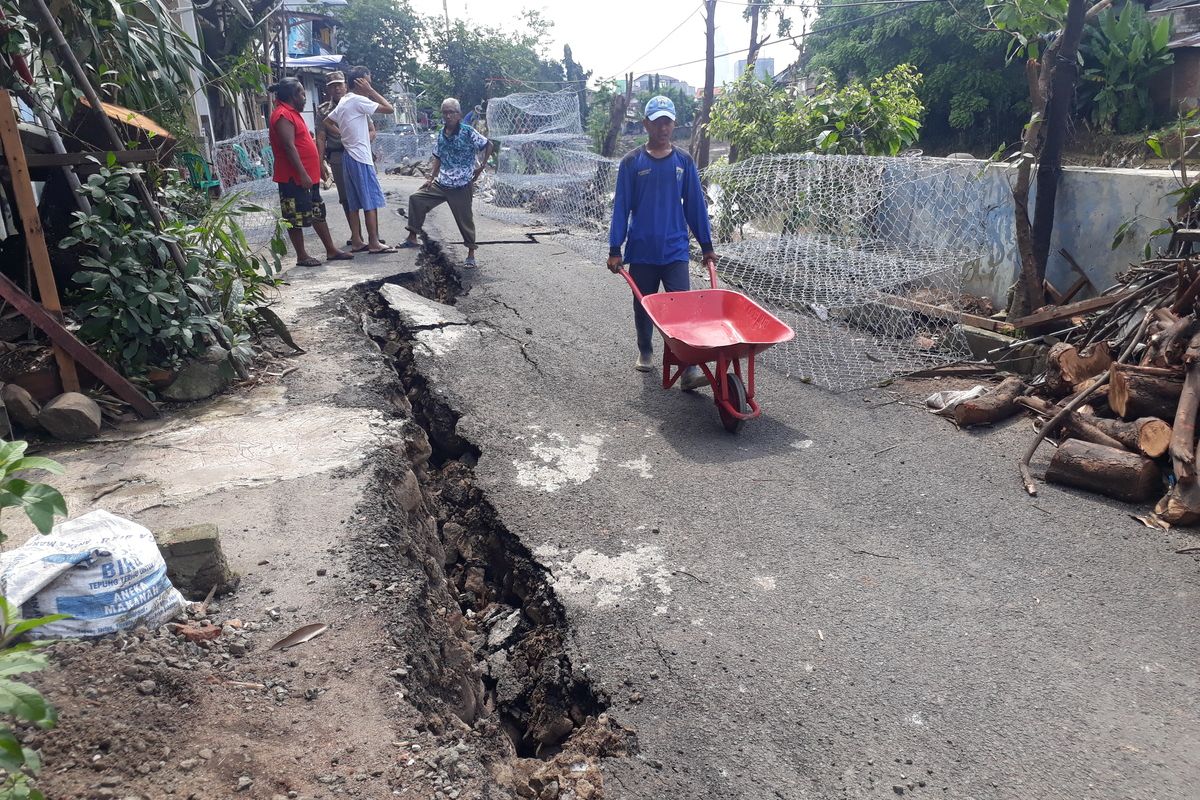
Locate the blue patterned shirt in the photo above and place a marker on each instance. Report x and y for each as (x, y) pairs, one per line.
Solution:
(457, 155)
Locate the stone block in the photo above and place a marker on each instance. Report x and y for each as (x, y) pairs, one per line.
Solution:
(1028, 359)
(195, 560)
(22, 408)
(71, 416)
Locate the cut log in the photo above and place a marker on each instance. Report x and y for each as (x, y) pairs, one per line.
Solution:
(1115, 473)
(1068, 366)
(1132, 394)
(998, 404)
(1149, 436)
(1181, 505)
(1073, 425)
(1183, 436)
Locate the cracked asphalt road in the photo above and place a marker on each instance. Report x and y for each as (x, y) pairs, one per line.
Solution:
(850, 599)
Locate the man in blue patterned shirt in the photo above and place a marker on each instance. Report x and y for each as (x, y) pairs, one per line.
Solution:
(456, 167)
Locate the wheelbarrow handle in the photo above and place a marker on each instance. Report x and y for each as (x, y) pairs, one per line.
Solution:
(637, 293)
(624, 273)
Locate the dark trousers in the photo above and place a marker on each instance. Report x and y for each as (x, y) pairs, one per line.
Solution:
(648, 277)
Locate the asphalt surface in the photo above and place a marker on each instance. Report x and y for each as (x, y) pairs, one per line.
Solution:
(849, 599)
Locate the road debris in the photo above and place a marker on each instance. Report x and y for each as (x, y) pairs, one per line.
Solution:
(300, 636)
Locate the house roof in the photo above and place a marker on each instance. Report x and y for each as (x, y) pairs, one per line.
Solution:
(311, 6)
(1189, 40)
(1167, 5)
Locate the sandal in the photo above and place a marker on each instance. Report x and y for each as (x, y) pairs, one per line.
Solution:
(362, 249)
(341, 256)
(381, 251)
(309, 262)
(406, 244)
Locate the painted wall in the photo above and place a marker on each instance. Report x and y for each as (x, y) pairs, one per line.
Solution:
(1092, 203)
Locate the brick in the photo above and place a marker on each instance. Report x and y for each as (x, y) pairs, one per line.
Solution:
(195, 561)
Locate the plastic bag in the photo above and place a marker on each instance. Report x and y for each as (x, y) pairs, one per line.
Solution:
(944, 402)
(105, 571)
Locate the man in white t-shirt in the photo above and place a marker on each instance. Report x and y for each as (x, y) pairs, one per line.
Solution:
(363, 193)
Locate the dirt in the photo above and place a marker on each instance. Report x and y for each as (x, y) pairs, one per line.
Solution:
(445, 673)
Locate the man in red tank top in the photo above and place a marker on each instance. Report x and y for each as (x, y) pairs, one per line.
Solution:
(298, 173)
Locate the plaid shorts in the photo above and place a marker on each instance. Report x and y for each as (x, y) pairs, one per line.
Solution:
(301, 207)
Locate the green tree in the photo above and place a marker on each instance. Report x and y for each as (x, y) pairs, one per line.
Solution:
(685, 106)
(382, 35)
(475, 63)
(877, 118)
(974, 98)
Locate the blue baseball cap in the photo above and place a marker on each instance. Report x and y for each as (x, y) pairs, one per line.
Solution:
(660, 107)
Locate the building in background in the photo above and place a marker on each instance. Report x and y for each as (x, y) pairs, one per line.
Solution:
(764, 68)
(656, 82)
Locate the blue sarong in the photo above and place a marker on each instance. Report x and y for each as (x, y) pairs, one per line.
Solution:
(362, 187)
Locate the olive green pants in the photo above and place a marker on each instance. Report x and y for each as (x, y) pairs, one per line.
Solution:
(423, 201)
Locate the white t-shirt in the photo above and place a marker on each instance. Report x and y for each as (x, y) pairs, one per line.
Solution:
(351, 116)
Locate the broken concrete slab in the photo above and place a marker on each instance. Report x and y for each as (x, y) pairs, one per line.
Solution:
(71, 416)
(416, 311)
(195, 561)
(22, 408)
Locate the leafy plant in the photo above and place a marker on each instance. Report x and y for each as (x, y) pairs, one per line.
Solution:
(134, 306)
(21, 702)
(40, 502)
(1122, 52)
(879, 118)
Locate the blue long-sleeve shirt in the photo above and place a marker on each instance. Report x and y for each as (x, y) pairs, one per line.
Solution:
(657, 201)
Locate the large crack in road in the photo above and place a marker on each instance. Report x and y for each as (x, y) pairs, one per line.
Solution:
(491, 645)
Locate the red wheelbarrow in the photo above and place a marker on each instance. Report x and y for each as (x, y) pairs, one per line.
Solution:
(714, 327)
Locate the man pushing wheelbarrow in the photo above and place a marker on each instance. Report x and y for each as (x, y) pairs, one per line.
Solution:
(707, 333)
(658, 199)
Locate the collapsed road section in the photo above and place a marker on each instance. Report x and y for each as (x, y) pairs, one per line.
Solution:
(484, 637)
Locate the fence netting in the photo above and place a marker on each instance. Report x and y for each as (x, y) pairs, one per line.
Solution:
(545, 175)
(865, 257)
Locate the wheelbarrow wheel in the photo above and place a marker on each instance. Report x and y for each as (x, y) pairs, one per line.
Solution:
(737, 399)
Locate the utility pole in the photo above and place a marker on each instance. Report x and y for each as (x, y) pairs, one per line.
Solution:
(710, 74)
(446, 13)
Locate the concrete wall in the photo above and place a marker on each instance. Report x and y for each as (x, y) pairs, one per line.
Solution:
(1092, 203)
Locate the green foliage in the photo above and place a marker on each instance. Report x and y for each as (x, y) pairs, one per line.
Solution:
(21, 702)
(973, 97)
(1122, 52)
(1027, 23)
(383, 35)
(475, 63)
(134, 51)
(135, 307)
(685, 104)
(40, 502)
(879, 118)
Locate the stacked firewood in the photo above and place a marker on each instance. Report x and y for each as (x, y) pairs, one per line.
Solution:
(1121, 393)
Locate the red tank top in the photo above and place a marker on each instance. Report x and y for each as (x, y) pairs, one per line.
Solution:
(306, 146)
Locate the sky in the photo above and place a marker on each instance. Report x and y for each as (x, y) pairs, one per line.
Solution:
(612, 37)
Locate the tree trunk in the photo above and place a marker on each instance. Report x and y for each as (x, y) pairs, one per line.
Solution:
(1027, 297)
(1067, 366)
(751, 58)
(616, 120)
(710, 51)
(1058, 111)
(998, 404)
(1115, 473)
(1132, 394)
(1181, 505)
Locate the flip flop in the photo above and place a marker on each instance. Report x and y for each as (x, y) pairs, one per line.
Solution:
(365, 248)
(470, 262)
(341, 256)
(407, 245)
(381, 251)
(350, 243)
(309, 262)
